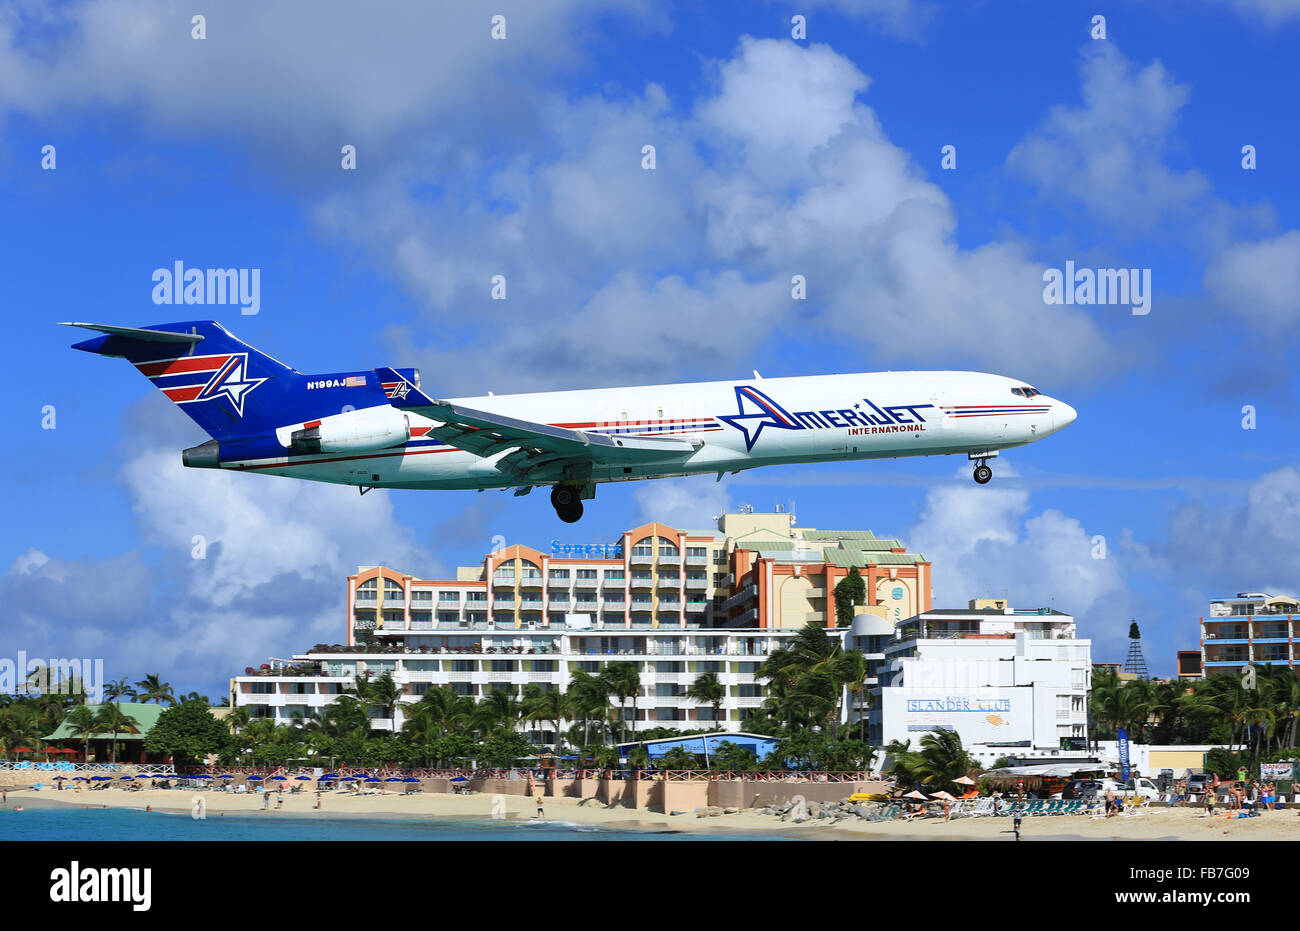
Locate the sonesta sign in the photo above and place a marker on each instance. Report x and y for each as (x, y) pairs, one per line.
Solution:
(594, 550)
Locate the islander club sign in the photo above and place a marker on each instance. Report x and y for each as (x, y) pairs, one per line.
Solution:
(589, 550)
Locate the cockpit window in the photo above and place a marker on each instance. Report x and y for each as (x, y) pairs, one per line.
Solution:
(1025, 392)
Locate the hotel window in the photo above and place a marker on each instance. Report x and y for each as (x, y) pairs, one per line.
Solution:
(642, 575)
(545, 665)
(670, 667)
(530, 572)
(697, 551)
(749, 691)
(421, 594)
(697, 575)
(464, 665)
(531, 597)
(614, 575)
(586, 598)
(586, 573)
(586, 665)
(394, 616)
(639, 598)
(614, 599)
(462, 688)
(504, 575)
(393, 591)
(503, 665)
(560, 575)
(449, 596)
(368, 590)
(668, 548)
(476, 596)
(643, 549)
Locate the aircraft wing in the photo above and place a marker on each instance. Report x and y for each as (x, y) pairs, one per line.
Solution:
(536, 445)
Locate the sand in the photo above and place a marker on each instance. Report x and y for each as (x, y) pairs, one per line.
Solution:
(1154, 824)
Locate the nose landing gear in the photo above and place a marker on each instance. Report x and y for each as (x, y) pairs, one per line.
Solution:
(981, 459)
(567, 502)
(982, 473)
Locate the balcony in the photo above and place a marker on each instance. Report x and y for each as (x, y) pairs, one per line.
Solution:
(646, 581)
(449, 604)
(641, 559)
(503, 604)
(745, 594)
(669, 581)
(609, 583)
(531, 581)
(556, 582)
(697, 560)
(560, 600)
(638, 606)
(696, 607)
(670, 603)
(587, 583)
(698, 585)
(670, 559)
(422, 625)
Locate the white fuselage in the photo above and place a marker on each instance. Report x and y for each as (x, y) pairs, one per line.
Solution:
(743, 424)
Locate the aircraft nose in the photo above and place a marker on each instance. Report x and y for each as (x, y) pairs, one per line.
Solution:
(1063, 415)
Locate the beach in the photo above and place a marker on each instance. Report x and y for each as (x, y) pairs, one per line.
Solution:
(1153, 824)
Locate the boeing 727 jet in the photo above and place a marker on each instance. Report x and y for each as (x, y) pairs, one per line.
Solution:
(376, 428)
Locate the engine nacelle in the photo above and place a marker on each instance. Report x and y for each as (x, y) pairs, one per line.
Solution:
(353, 431)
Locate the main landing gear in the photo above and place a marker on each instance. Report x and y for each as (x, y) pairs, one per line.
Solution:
(567, 502)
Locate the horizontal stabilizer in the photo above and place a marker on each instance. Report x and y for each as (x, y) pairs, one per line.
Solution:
(148, 336)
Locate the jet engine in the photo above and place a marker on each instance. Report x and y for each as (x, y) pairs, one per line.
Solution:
(353, 431)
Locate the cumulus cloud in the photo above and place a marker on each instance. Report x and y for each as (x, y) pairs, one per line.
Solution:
(984, 542)
(1108, 155)
(684, 503)
(269, 580)
(1259, 280)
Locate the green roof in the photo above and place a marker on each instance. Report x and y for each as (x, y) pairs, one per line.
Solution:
(838, 535)
(894, 559)
(846, 559)
(146, 716)
(777, 546)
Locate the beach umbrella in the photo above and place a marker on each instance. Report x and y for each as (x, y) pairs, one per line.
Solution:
(126, 777)
(303, 778)
(372, 779)
(225, 776)
(410, 779)
(80, 779)
(23, 750)
(350, 779)
(459, 779)
(254, 778)
(393, 779)
(201, 776)
(943, 795)
(329, 776)
(915, 794)
(964, 780)
(58, 778)
(280, 778)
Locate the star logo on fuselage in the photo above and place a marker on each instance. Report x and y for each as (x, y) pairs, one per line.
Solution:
(754, 411)
(231, 381)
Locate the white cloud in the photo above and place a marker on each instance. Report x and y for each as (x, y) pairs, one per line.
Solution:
(1272, 12)
(1259, 280)
(1108, 155)
(982, 542)
(684, 503)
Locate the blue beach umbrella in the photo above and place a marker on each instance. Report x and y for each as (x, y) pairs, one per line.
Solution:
(254, 778)
(372, 779)
(225, 776)
(410, 779)
(393, 779)
(328, 776)
(459, 779)
(80, 779)
(279, 778)
(303, 778)
(349, 779)
(126, 777)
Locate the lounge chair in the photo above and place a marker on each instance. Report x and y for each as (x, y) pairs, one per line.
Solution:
(983, 808)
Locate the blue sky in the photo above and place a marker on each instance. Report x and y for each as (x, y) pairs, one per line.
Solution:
(775, 157)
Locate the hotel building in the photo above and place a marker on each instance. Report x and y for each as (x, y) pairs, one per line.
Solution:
(677, 603)
(1250, 628)
(1010, 682)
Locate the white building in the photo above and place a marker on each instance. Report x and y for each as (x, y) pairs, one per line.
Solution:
(1009, 682)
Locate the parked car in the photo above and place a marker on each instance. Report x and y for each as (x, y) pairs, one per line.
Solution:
(1198, 783)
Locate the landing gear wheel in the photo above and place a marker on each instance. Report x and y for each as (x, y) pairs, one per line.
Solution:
(982, 474)
(567, 503)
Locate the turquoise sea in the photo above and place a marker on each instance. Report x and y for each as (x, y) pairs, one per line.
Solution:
(115, 824)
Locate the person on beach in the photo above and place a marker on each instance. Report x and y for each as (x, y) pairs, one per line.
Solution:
(266, 800)
(1015, 822)
(318, 798)
(4, 796)
(279, 803)
(540, 812)
(1110, 803)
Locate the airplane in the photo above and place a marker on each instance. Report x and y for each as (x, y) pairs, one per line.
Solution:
(376, 428)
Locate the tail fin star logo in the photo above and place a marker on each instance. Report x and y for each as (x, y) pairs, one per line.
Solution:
(754, 411)
(232, 382)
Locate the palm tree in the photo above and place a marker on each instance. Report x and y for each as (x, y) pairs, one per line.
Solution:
(81, 721)
(624, 680)
(588, 700)
(550, 706)
(382, 692)
(116, 691)
(708, 689)
(942, 759)
(152, 688)
(497, 709)
(111, 719)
